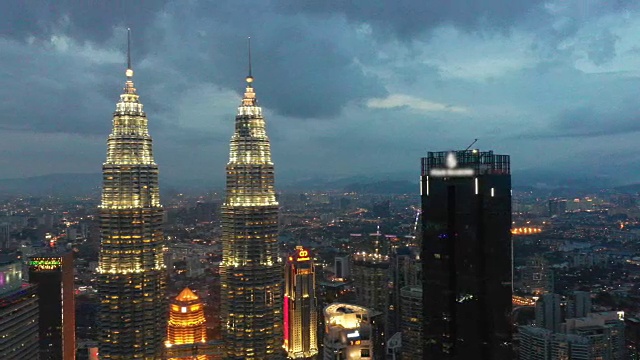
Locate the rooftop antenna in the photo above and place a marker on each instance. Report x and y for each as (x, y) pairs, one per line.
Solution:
(469, 147)
(129, 69)
(128, 48)
(250, 77)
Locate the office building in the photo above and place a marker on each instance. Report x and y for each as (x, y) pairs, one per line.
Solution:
(404, 268)
(370, 273)
(579, 304)
(5, 236)
(53, 273)
(250, 272)
(131, 271)
(411, 321)
(632, 337)
(548, 312)
(300, 306)
(598, 336)
(466, 255)
(341, 267)
(536, 277)
(348, 332)
(557, 206)
(18, 314)
(535, 343)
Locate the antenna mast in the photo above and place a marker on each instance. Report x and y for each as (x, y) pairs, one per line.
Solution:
(469, 147)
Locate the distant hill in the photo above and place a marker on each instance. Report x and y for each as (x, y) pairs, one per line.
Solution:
(629, 189)
(396, 183)
(54, 184)
(384, 187)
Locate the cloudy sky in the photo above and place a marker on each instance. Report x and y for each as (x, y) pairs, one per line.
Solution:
(349, 87)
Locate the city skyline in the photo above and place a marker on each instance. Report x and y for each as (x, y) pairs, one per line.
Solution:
(538, 77)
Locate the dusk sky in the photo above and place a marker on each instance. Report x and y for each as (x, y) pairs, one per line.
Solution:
(348, 87)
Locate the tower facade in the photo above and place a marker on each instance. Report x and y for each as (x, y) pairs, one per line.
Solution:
(131, 271)
(300, 306)
(371, 281)
(250, 272)
(549, 312)
(466, 255)
(53, 273)
(411, 322)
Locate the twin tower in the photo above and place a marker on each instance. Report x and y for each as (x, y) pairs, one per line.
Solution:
(131, 272)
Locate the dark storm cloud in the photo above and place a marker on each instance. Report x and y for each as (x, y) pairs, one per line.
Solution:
(511, 64)
(43, 93)
(300, 71)
(407, 18)
(87, 20)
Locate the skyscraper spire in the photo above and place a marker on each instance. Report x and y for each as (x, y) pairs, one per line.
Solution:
(129, 71)
(249, 99)
(131, 271)
(251, 272)
(250, 77)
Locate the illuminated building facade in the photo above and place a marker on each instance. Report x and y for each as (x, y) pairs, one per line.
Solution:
(348, 332)
(300, 306)
(18, 314)
(466, 255)
(251, 273)
(131, 270)
(53, 273)
(187, 330)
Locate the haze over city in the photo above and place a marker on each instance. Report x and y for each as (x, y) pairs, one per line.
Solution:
(350, 88)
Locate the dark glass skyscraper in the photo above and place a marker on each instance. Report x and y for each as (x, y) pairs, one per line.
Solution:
(131, 272)
(53, 273)
(466, 255)
(251, 273)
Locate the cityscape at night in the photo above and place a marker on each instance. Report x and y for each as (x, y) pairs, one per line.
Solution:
(319, 180)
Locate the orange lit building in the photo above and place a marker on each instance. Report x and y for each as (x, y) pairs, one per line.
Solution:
(187, 326)
(300, 306)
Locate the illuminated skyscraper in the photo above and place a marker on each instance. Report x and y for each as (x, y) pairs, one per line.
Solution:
(466, 255)
(131, 272)
(300, 306)
(53, 273)
(251, 274)
(187, 330)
